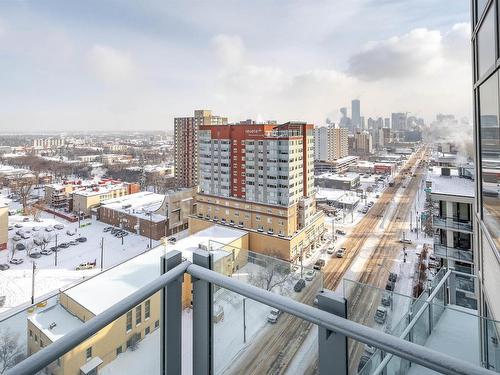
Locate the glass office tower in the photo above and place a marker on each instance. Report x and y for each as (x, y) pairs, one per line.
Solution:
(486, 63)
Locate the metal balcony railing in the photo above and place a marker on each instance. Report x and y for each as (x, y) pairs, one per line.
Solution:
(444, 251)
(452, 223)
(332, 338)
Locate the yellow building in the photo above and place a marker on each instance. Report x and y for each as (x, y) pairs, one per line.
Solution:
(90, 298)
(4, 224)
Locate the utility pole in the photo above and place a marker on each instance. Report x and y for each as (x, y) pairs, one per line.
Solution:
(102, 253)
(33, 284)
(55, 253)
(244, 321)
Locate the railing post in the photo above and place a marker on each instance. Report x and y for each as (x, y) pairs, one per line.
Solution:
(202, 318)
(452, 286)
(171, 318)
(333, 357)
(431, 311)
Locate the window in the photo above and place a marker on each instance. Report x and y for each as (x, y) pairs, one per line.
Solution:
(138, 314)
(119, 350)
(486, 43)
(36, 338)
(31, 333)
(88, 353)
(146, 331)
(147, 309)
(41, 343)
(157, 324)
(129, 321)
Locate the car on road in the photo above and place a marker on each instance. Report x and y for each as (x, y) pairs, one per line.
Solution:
(16, 261)
(393, 277)
(46, 252)
(405, 241)
(20, 246)
(299, 285)
(49, 229)
(386, 299)
(172, 240)
(330, 250)
(16, 238)
(319, 264)
(364, 361)
(273, 316)
(309, 276)
(85, 266)
(389, 286)
(35, 255)
(64, 245)
(4, 267)
(82, 239)
(59, 226)
(340, 231)
(380, 315)
(340, 252)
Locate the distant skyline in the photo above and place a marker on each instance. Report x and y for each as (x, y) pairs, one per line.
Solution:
(125, 65)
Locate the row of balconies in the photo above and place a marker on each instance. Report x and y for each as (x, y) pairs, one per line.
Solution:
(452, 223)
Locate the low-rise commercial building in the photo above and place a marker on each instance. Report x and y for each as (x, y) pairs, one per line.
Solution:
(343, 181)
(150, 214)
(337, 166)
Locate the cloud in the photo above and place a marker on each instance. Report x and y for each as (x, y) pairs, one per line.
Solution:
(229, 49)
(111, 65)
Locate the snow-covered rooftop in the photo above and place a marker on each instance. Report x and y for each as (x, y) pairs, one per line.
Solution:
(106, 289)
(450, 185)
(336, 195)
(347, 176)
(64, 321)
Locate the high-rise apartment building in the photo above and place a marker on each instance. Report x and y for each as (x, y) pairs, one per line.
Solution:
(486, 76)
(387, 122)
(356, 113)
(260, 177)
(398, 121)
(186, 145)
(362, 143)
(48, 143)
(330, 143)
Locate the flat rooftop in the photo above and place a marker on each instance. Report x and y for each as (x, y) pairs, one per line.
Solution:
(138, 204)
(347, 176)
(104, 290)
(338, 195)
(64, 321)
(450, 185)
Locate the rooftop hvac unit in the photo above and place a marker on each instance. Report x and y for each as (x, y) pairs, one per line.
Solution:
(203, 246)
(52, 325)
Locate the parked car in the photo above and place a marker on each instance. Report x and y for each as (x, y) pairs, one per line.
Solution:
(405, 241)
(319, 264)
(340, 252)
(55, 248)
(37, 241)
(16, 261)
(386, 299)
(85, 266)
(82, 239)
(70, 233)
(25, 235)
(364, 361)
(107, 229)
(172, 240)
(340, 231)
(64, 245)
(18, 225)
(309, 276)
(73, 243)
(49, 229)
(59, 226)
(35, 255)
(46, 252)
(364, 210)
(273, 316)
(330, 250)
(4, 267)
(380, 315)
(370, 204)
(393, 277)
(16, 238)
(389, 286)
(26, 219)
(299, 285)
(35, 229)
(20, 246)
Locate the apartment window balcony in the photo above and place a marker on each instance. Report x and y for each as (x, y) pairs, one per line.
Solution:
(452, 223)
(444, 251)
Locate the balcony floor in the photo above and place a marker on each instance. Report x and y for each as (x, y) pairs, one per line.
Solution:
(456, 334)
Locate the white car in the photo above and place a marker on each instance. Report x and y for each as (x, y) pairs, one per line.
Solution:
(405, 241)
(273, 316)
(16, 238)
(309, 276)
(330, 250)
(46, 252)
(85, 266)
(16, 261)
(49, 229)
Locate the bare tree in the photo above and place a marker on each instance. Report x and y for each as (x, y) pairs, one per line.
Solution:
(274, 273)
(23, 186)
(11, 351)
(35, 211)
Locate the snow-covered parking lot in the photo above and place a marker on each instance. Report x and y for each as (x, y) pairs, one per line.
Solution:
(15, 283)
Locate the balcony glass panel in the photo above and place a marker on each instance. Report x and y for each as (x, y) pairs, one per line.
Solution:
(450, 252)
(452, 223)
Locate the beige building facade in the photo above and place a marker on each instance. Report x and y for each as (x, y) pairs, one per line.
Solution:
(4, 224)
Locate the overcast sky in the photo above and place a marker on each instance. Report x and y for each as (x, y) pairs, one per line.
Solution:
(134, 65)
